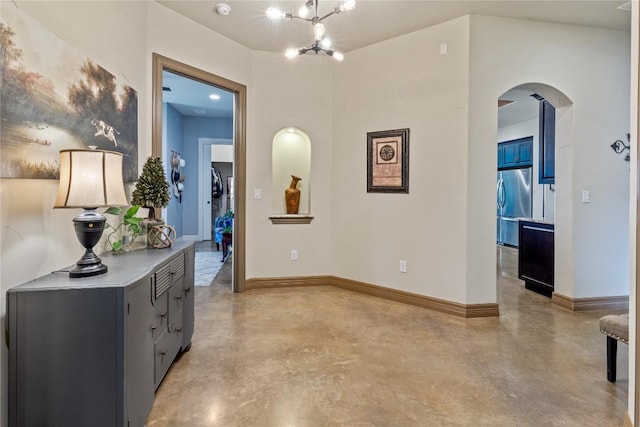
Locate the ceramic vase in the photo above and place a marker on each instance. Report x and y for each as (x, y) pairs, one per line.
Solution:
(292, 196)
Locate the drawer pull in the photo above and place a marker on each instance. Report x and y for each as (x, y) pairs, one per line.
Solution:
(163, 353)
(188, 290)
(178, 329)
(179, 297)
(163, 315)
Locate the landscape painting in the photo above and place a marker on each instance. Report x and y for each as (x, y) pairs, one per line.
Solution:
(53, 98)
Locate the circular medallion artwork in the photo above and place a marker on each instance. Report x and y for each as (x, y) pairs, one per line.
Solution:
(387, 152)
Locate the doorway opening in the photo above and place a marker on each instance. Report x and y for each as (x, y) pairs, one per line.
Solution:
(533, 119)
(238, 181)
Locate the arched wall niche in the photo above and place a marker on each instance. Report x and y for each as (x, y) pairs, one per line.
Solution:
(291, 155)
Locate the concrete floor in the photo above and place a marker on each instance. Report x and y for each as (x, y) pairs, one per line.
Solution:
(323, 356)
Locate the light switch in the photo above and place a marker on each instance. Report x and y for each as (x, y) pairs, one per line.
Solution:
(257, 193)
(444, 48)
(586, 196)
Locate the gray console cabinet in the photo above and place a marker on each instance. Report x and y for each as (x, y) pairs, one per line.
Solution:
(91, 351)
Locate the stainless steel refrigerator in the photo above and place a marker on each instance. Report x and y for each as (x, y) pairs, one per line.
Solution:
(513, 202)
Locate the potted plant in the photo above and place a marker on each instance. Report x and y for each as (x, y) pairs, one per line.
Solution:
(152, 189)
(117, 239)
(152, 192)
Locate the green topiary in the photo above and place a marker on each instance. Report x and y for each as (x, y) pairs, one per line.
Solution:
(152, 188)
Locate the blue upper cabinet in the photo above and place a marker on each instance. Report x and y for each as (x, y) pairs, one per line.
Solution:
(547, 164)
(517, 153)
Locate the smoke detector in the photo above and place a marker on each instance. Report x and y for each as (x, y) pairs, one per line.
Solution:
(223, 9)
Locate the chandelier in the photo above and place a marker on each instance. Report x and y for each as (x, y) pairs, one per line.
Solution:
(321, 43)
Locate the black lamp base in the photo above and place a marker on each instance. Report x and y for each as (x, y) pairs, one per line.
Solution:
(94, 270)
(89, 226)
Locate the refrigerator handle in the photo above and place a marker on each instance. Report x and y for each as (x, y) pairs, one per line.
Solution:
(501, 196)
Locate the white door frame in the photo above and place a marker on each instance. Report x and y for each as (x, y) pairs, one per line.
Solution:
(204, 184)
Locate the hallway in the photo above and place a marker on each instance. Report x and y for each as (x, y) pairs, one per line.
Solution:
(322, 356)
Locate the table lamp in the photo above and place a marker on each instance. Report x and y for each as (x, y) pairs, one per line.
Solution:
(90, 179)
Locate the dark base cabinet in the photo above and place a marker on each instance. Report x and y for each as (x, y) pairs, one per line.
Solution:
(91, 351)
(535, 256)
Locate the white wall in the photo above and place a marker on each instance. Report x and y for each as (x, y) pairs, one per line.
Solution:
(222, 153)
(298, 94)
(35, 239)
(405, 83)
(593, 237)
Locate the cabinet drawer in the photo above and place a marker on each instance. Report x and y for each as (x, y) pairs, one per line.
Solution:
(176, 298)
(161, 316)
(167, 274)
(176, 327)
(166, 349)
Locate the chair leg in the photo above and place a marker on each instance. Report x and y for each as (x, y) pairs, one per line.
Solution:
(612, 350)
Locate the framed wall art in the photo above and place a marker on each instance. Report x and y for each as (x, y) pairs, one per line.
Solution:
(55, 97)
(388, 161)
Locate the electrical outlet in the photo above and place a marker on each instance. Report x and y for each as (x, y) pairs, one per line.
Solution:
(294, 255)
(403, 266)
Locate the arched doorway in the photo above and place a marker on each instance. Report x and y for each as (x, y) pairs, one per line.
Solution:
(537, 119)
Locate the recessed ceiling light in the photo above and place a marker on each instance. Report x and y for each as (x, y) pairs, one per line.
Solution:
(214, 96)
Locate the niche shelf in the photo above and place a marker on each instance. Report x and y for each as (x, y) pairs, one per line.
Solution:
(291, 219)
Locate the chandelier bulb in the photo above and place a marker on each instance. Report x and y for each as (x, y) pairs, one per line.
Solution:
(303, 11)
(318, 30)
(275, 13)
(291, 53)
(326, 42)
(346, 5)
(338, 56)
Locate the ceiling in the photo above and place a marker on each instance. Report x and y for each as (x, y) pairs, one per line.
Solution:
(370, 22)
(524, 107)
(375, 20)
(191, 97)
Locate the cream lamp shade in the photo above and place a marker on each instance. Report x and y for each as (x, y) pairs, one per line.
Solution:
(89, 179)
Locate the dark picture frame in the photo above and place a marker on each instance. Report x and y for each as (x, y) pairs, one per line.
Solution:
(388, 161)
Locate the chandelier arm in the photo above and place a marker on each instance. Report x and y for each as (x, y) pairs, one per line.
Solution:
(301, 18)
(327, 15)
